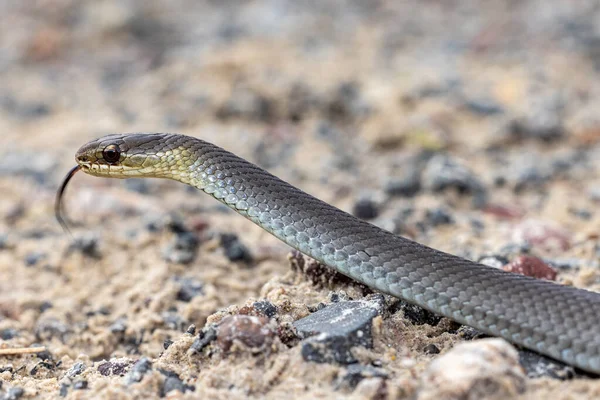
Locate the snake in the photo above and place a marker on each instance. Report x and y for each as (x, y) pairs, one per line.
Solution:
(556, 320)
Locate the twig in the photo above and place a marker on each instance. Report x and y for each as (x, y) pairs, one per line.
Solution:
(21, 350)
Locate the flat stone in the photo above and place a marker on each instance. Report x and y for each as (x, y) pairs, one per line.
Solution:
(331, 332)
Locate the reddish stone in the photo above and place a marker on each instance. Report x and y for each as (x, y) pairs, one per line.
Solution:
(542, 234)
(531, 266)
(252, 332)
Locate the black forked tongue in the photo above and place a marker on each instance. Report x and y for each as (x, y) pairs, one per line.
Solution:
(58, 207)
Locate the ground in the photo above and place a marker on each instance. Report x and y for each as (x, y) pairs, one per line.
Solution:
(467, 126)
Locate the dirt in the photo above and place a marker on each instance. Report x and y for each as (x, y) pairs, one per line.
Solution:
(342, 99)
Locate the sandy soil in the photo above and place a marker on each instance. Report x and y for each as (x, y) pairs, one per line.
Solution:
(345, 99)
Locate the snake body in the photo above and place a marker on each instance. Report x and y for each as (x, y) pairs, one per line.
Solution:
(556, 320)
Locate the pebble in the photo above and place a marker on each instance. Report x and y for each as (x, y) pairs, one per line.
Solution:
(406, 185)
(46, 329)
(183, 249)
(80, 385)
(87, 245)
(188, 289)
(487, 368)
(113, 367)
(494, 261)
(119, 326)
(541, 234)
(173, 382)
(346, 103)
(33, 258)
(331, 332)
(443, 172)
(247, 104)
(543, 120)
(139, 369)
(355, 373)
(438, 216)
(8, 333)
(365, 209)
(539, 366)
(531, 266)
(266, 308)
(167, 343)
(415, 314)
(14, 393)
(76, 369)
(431, 349)
(300, 102)
(205, 337)
(235, 250)
(252, 332)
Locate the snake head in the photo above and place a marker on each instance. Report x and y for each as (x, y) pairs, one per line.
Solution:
(126, 156)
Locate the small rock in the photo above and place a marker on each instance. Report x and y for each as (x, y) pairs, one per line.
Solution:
(494, 261)
(46, 329)
(337, 328)
(188, 289)
(14, 393)
(469, 333)
(539, 366)
(8, 333)
(167, 343)
(356, 373)
(365, 209)
(266, 308)
(483, 106)
(80, 385)
(541, 234)
(87, 245)
(346, 103)
(407, 185)
(113, 368)
(139, 369)
(543, 122)
(438, 216)
(183, 249)
(431, 349)
(191, 330)
(415, 314)
(235, 250)
(64, 390)
(173, 382)
(252, 332)
(206, 336)
(119, 326)
(172, 320)
(531, 266)
(33, 258)
(247, 104)
(76, 369)
(443, 172)
(487, 368)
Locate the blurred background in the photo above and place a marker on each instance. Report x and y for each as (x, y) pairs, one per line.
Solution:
(452, 122)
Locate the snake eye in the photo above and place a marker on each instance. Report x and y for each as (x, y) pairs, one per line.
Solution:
(111, 154)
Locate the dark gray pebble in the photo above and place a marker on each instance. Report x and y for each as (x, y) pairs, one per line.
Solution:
(346, 103)
(139, 369)
(76, 369)
(356, 372)
(64, 390)
(406, 185)
(87, 245)
(206, 336)
(8, 333)
(235, 250)
(443, 172)
(113, 368)
(538, 366)
(188, 288)
(183, 249)
(431, 349)
(172, 320)
(266, 308)
(330, 333)
(438, 216)
(365, 209)
(167, 343)
(415, 314)
(173, 382)
(119, 326)
(33, 258)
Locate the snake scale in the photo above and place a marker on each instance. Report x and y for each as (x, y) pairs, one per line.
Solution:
(559, 321)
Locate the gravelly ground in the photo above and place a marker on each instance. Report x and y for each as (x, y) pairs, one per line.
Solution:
(470, 127)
